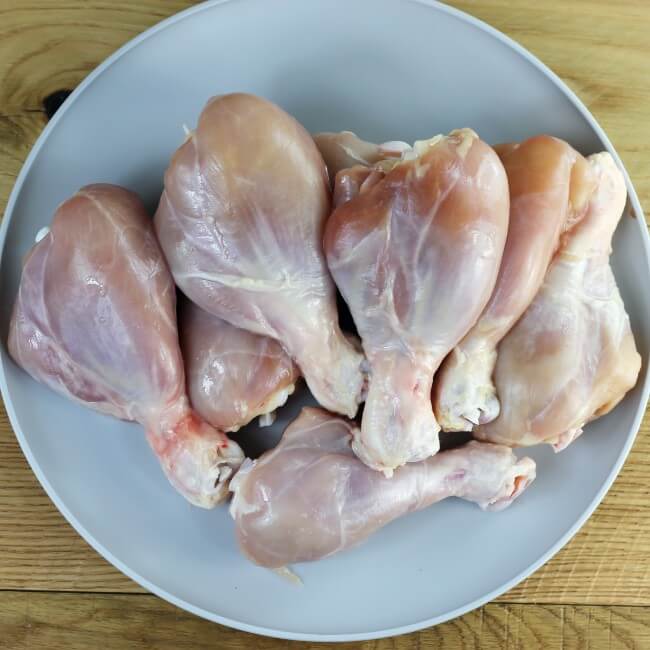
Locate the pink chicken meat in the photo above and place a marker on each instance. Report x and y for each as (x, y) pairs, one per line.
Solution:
(233, 375)
(571, 357)
(345, 149)
(95, 321)
(241, 223)
(550, 184)
(415, 254)
(311, 497)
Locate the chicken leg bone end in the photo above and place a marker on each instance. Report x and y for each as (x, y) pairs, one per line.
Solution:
(197, 459)
(466, 395)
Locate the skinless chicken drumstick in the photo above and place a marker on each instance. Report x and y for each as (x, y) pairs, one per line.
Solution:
(571, 357)
(233, 375)
(415, 254)
(241, 223)
(311, 497)
(95, 320)
(550, 184)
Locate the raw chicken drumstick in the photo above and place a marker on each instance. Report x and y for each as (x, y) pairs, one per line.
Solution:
(571, 357)
(311, 497)
(416, 254)
(241, 223)
(233, 375)
(95, 321)
(550, 184)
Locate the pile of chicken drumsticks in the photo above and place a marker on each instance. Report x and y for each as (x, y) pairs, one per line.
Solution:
(478, 279)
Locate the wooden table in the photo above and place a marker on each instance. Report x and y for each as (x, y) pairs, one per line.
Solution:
(56, 592)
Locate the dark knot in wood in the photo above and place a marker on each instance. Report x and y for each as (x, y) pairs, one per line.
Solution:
(54, 100)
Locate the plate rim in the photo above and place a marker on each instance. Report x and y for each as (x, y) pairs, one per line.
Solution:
(276, 632)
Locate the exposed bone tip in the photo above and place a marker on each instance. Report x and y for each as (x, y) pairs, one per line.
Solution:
(41, 234)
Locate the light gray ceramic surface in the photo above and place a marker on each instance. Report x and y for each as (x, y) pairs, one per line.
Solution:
(387, 69)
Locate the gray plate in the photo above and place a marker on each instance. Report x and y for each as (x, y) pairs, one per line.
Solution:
(389, 70)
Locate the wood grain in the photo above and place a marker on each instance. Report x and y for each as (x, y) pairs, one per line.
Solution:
(18, 133)
(49, 45)
(602, 50)
(63, 621)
